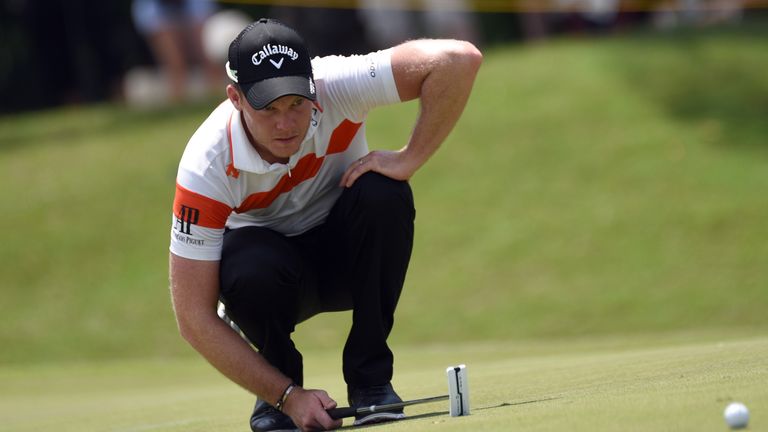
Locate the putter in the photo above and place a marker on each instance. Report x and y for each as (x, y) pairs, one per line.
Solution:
(458, 395)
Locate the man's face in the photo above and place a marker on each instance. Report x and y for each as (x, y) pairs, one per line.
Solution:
(277, 130)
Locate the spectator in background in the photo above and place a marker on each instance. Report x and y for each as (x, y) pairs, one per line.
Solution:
(173, 29)
(676, 13)
(390, 22)
(62, 52)
(539, 19)
(327, 31)
(451, 19)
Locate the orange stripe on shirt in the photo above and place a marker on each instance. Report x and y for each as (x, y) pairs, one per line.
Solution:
(305, 169)
(342, 136)
(199, 209)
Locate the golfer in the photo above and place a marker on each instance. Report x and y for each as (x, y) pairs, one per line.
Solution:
(281, 212)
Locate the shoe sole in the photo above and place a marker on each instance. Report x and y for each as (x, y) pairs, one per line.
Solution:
(378, 418)
(281, 430)
(285, 430)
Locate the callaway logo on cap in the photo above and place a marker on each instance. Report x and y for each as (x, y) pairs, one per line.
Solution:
(268, 60)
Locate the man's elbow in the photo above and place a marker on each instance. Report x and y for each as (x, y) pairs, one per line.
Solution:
(186, 330)
(191, 328)
(458, 59)
(469, 55)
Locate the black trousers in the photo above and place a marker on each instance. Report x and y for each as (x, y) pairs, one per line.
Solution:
(356, 260)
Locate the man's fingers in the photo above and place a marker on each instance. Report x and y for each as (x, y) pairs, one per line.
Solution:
(356, 169)
(326, 400)
(324, 420)
(327, 422)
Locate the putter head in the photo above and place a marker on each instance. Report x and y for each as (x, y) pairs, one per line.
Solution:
(458, 390)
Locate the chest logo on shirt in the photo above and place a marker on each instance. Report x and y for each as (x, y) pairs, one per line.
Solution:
(187, 217)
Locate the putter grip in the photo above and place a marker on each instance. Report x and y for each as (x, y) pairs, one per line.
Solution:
(337, 413)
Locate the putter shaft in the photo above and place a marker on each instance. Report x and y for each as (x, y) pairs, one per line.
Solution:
(337, 413)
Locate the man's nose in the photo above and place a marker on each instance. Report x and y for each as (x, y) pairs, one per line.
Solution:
(284, 122)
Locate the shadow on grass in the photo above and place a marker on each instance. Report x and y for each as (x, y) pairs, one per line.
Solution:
(510, 404)
(712, 79)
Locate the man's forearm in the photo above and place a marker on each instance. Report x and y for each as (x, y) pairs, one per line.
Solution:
(194, 292)
(234, 358)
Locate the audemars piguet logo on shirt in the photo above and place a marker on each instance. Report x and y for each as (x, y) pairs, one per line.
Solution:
(187, 217)
(271, 50)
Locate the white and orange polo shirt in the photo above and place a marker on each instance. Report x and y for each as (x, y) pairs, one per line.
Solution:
(222, 181)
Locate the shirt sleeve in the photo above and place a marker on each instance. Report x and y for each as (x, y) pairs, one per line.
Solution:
(357, 83)
(198, 222)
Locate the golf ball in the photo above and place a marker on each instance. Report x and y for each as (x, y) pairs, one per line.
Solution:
(736, 415)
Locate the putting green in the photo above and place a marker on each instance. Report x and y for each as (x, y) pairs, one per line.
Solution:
(673, 382)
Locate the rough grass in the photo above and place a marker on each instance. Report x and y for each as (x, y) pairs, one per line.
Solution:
(593, 187)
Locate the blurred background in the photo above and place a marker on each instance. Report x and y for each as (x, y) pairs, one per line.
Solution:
(608, 177)
(143, 52)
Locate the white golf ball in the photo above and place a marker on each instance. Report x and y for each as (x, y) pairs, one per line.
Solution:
(736, 415)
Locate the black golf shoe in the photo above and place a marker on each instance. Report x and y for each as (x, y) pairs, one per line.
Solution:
(265, 418)
(375, 395)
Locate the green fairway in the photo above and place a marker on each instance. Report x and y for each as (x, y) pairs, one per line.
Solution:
(672, 383)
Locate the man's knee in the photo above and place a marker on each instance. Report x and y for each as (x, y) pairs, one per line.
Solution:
(382, 195)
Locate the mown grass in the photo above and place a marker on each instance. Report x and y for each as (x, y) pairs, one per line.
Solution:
(593, 187)
(675, 382)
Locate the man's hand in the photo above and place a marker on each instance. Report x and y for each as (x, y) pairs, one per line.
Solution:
(392, 164)
(307, 410)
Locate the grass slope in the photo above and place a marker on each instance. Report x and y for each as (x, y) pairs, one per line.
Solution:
(674, 383)
(595, 187)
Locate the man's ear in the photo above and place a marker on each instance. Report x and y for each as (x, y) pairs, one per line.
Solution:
(236, 97)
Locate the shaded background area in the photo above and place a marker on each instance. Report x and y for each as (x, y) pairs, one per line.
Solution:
(727, 96)
(61, 52)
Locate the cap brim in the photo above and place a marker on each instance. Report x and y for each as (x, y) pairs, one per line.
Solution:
(262, 93)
